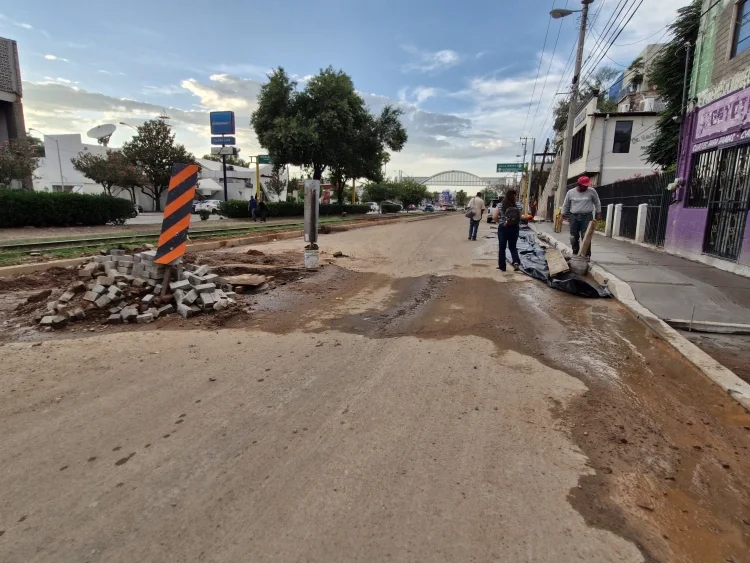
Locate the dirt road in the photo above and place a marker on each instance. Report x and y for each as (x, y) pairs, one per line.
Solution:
(406, 403)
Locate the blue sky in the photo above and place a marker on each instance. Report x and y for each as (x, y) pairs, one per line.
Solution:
(462, 71)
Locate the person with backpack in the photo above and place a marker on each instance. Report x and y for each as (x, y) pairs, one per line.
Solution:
(508, 219)
(475, 210)
(263, 210)
(253, 206)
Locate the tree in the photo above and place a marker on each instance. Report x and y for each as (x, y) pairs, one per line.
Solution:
(666, 74)
(18, 161)
(154, 151)
(410, 192)
(325, 126)
(233, 160)
(38, 145)
(275, 185)
(379, 192)
(112, 171)
(461, 198)
(593, 86)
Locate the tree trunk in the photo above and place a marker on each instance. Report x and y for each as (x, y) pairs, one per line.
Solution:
(318, 172)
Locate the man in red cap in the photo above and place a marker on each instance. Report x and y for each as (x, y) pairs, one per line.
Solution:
(581, 206)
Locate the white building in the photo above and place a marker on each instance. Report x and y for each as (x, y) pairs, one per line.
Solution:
(56, 174)
(610, 146)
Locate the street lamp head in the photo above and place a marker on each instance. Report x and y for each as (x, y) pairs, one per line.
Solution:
(558, 13)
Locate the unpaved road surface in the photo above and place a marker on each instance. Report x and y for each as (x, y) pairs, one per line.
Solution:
(406, 403)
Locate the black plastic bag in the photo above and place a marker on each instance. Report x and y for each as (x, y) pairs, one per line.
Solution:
(534, 264)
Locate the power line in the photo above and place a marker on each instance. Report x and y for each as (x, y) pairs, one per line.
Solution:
(549, 70)
(538, 70)
(609, 30)
(642, 40)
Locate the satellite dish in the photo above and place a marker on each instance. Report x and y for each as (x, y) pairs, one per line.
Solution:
(102, 133)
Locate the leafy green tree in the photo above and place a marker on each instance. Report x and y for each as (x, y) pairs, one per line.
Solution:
(233, 160)
(325, 126)
(154, 151)
(379, 192)
(38, 145)
(275, 185)
(112, 171)
(410, 192)
(18, 161)
(461, 198)
(593, 86)
(667, 74)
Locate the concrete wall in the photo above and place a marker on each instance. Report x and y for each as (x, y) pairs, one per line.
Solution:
(48, 173)
(619, 166)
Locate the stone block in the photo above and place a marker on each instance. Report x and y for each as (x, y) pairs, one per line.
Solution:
(210, 278)
(148, 255)
(195, 309)
(67, 296)
(57, 321)
(201, 270)
(181, 285)
(90, 296)
(166, 310)
(125, 260)
(179, 295)
(139, 282)
(184, 311)
(116, 252)
(190, 297)
(128, 279)
(114, 291)
(105, 280)
(122, 285)
(114, 319)
(206, 299)
(103, 301)
(101, 259)
(230, 295)
(144, 318)
(129, 313)
(77, 287)
(195, 280)
(99, 289)
(220, 305)
(148, 299)
(78, 313)
(88, 270)
(158, 289)
(205, 287)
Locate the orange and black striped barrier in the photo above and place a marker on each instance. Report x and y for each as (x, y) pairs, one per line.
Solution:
(177, 213)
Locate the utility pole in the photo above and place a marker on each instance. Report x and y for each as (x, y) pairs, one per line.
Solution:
(224, 167)
(537, 191)
(565, 164)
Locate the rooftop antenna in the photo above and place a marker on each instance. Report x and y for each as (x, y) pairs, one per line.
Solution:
(102, 133)
(164, 116)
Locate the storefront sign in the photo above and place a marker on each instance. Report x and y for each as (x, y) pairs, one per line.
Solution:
(726, 140)
(724, 119)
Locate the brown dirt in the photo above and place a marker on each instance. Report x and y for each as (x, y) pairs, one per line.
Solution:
(730, 350)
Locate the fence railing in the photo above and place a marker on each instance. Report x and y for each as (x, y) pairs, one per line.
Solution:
(651, 190)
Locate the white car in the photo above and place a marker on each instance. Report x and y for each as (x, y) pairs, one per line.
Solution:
(374, 207)
(211, 205)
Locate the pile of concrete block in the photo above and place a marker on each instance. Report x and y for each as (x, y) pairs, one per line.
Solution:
(129, 289)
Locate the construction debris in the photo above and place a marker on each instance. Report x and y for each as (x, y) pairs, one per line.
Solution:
(127, 289)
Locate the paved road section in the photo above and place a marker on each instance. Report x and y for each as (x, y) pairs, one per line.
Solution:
(406, 403)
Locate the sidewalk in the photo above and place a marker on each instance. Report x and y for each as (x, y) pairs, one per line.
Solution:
(669, 285)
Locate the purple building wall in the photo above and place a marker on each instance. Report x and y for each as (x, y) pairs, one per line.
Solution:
(686, 228)
(745, 254)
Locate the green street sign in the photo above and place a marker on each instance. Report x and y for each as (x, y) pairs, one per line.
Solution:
(264, 159)
(510, 167)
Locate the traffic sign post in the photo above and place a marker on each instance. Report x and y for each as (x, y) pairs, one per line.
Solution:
(510, 167)
(222, 123)
(264, 159)
(223, 141)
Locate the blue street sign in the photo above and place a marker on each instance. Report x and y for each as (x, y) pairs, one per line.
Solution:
(222, 122)
(223, 141)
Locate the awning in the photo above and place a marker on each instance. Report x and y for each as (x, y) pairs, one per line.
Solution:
(207, 187)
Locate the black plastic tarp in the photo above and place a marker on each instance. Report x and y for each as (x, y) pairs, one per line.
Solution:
(534, 264)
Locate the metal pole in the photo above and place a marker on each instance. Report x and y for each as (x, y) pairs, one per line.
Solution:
(529, 177)
(561, 188)
(257, 178)
(688, 48)
(224, 166)
(604, 146)
(354, 191)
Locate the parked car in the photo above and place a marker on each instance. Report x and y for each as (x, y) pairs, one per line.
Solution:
(429, 207)
(196, 203)
(374, 207)
(211, 205)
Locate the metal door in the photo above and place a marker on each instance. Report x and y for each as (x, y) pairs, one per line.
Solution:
(728, 204)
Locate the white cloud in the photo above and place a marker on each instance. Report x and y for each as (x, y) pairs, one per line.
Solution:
(168, 90)
(22, 25)
(55, 58)
(426, 61)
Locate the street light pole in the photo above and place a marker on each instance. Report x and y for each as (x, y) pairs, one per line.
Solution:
(567, 141)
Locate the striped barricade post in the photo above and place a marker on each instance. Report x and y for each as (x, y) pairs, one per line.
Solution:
(177, 215)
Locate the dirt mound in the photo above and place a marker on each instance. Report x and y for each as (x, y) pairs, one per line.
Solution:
(54, 277)
(216, 259)
(253, 252)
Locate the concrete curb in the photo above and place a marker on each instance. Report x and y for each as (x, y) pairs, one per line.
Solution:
(725, 378)
(214, 245)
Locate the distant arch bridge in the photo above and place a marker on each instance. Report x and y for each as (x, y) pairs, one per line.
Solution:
(458, 178)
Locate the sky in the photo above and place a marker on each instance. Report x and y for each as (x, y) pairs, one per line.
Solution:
(464, 73)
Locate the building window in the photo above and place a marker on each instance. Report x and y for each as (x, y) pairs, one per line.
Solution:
(742, 29)
(623, 134)
(576, 147)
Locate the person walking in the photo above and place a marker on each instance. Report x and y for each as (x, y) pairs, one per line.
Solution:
(253, 208)
(263, 210)
(580, 207)
(475, 212)
(508, 219)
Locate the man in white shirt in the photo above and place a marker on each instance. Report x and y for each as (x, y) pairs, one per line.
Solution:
(581, 206)
(476, 204)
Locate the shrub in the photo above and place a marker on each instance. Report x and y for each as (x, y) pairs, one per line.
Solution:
(390, 208)
(238, 209)
(204, 214)
(21, 208)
